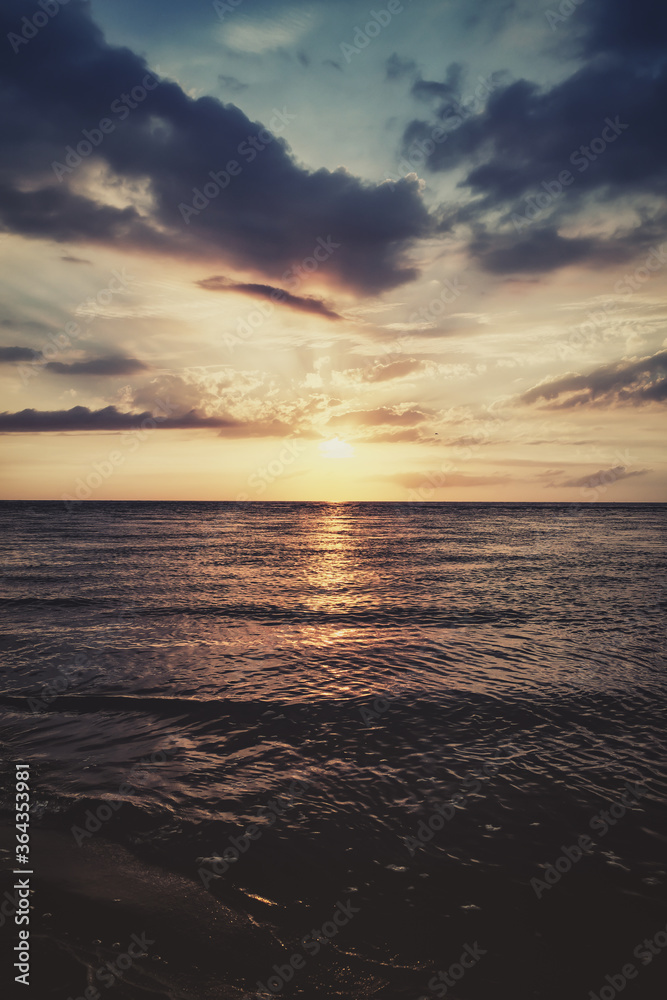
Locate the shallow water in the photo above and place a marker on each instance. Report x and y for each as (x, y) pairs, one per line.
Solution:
(191, 660)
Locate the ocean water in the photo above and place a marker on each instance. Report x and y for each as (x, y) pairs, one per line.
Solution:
(415, 709)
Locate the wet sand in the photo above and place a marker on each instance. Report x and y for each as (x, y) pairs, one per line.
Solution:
(89, 901)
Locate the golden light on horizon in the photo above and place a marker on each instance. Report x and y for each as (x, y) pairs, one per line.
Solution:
(336, 448)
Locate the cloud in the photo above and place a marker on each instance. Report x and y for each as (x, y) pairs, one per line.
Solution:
(302, 303)
(614, 27)
(231, 83)
(408, 435)
(599, 123)
(449, 90)
(398, 67)
(434, 480)
(27, 325)
(80, 419)
(382, 415)
(394, 370)
(625, 382)
(541, 250)
(603, 477)
(268, 218)
(8, 355)
(401, 368)
(112, 366)
(75, 260)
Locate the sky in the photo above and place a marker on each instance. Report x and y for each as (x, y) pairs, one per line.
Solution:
(266, 250)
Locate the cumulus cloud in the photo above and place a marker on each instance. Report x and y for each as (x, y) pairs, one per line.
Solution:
(599, 123)
(625, 382)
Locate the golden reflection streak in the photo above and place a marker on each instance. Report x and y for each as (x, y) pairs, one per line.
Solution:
(333, 580)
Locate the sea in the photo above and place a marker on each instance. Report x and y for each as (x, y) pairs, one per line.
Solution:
(384, 737)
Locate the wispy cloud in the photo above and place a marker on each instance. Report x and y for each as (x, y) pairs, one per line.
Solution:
(625, 382)
(301, 303)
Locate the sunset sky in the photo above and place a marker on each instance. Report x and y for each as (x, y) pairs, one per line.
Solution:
(433, 265)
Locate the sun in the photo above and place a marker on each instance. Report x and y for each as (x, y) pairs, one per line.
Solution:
(335, 448)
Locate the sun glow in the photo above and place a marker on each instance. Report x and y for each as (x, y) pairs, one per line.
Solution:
(335, 448)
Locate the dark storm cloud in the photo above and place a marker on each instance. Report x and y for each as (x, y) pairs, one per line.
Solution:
(98, 366)
(11, 354)
(66, 79)
(80, 418)
(302, 303)
(526, 135)
(633, 382)
(615, 26)
(541, 250)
